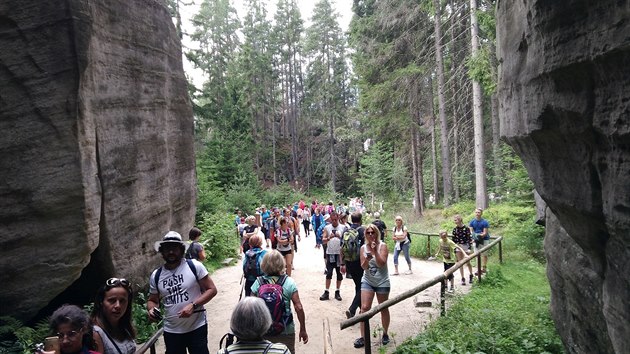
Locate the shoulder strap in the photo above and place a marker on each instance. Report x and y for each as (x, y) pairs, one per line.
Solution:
(156, 278)
(193, 269)
(267, 349)
(281, 280)
(262, 280)
(112, 340)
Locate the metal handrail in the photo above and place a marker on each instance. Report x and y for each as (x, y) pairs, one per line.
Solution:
(365, 317)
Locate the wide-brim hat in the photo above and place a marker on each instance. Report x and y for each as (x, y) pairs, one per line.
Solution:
(170, 237)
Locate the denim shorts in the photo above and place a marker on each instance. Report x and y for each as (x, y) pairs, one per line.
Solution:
(377, 289)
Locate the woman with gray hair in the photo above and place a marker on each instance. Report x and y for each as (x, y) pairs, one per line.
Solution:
(249, 323)
(274, 266)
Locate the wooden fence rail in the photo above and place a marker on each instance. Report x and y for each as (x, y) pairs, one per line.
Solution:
(365, 317)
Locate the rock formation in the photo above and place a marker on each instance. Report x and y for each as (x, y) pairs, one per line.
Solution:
(96, 151)
(564, 93)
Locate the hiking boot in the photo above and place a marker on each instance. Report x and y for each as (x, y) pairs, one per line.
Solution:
(349, 314)
(385, 339)
(359, 343)
(463, 281)
(337, 295)
(470, 279)
(324, 296)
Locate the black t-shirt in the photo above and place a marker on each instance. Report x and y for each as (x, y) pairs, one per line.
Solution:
(381, 227)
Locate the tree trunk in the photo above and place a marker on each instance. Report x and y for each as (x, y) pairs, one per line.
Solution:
(481, 197)
(436, 190)
(446, 163)
(496, 143)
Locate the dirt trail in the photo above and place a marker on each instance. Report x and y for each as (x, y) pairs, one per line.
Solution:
(406, 320)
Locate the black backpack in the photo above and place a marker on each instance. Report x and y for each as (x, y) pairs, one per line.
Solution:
(156, 278)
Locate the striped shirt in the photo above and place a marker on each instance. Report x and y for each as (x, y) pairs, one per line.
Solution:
(265, 346)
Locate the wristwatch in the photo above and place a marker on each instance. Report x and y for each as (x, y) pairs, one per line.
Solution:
(195, 306)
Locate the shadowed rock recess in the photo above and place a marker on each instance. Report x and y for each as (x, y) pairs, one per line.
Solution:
(564, 92)
(96, 153)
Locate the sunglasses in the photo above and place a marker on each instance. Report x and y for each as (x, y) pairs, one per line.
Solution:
(370, 233)
(72, 335)
(117, 281)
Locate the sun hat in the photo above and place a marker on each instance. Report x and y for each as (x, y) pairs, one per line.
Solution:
(171, 237)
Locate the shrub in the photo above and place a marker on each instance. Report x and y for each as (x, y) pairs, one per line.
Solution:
(218, 235)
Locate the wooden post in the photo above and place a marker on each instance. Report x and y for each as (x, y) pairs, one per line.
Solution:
(442, 298)
(428, 246)
(501, 251)
(479, 267)
(367, 337)
(328, 348)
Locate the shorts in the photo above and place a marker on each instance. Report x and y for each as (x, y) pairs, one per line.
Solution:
(329, 270)
(285, 253)
(465, 246)
(448, 266)
(377, 289)
(483, 243)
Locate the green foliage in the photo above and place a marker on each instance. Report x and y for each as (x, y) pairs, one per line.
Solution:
(507, 313)
(281, 195)
(15, 337)
(219, 235)
(144, 327)
(376, 172)
(517, 185)
(481, 69)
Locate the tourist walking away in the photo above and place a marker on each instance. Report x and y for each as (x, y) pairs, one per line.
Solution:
(114, 332)
(272, 287)
(249, 323)
(196, 249)
(73, 329)
(285, 237)
(447, 250)
(306, 221)
(352, 241)
(331, 238)
(265, 215)
(375, 280)
(479, 228)
(463, 238)
(403, 242)
(183, 286)
(317, 220)
(252, 262)
(274, 225)
(382, 228)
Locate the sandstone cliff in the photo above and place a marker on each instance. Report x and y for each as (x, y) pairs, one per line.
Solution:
(96, 151)
(565, 108)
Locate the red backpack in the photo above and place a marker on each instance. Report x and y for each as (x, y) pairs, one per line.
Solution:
(272, 294)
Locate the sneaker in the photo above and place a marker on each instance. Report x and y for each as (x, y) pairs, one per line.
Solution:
(463, 281)
(359, 343)
(325, 296)
(337, 295)
(385, 339)
(450, 290)
(349, 314)
(408, 272)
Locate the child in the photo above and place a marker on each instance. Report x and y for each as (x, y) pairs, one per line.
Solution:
(447, 248)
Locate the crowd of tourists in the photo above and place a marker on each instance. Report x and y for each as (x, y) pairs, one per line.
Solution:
(263, 320)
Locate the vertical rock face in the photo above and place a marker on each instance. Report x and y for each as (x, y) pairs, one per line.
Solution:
(565, 107)
(96, 153)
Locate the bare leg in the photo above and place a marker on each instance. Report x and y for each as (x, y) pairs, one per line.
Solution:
(366, 304)
(385, 313)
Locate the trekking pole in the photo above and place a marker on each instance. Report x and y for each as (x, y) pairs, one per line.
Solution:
(242, 287)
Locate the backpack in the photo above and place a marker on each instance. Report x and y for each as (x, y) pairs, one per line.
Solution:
(191, 252)
(251, 268)
(156, 278)
(350, 246)
(272, 294)
(404, 228)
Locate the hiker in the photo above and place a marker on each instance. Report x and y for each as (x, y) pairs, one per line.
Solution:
(196, 249)
(274, 267)
(114, 332)
(479, 229)
(250, 230)
(294, 226)
(306, 221)
(403, 242)
(317, 220)
(251, 262)
(265, 216)
(274, 225)
(375, 280)
(184, 286)
(331, 238)
(237, 218)
(447, 249)
(249, 323)
(285, 237)
(463, 238)
(74, 330)
(352, 262)
(382, 228)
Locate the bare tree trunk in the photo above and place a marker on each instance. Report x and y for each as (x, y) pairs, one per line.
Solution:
(496, 143)
(481, 197)
(417, 176)
(436, 189)
(446, 163)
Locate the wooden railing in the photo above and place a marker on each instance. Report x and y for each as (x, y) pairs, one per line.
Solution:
(437, 235)
(365, 317)
(150, 344)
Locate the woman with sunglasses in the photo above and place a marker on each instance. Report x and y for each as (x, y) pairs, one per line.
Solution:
(375, 281)
(74, 330)
(113, 330)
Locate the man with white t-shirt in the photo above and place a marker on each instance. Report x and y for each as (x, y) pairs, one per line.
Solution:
(331, 236)
(184, 286)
